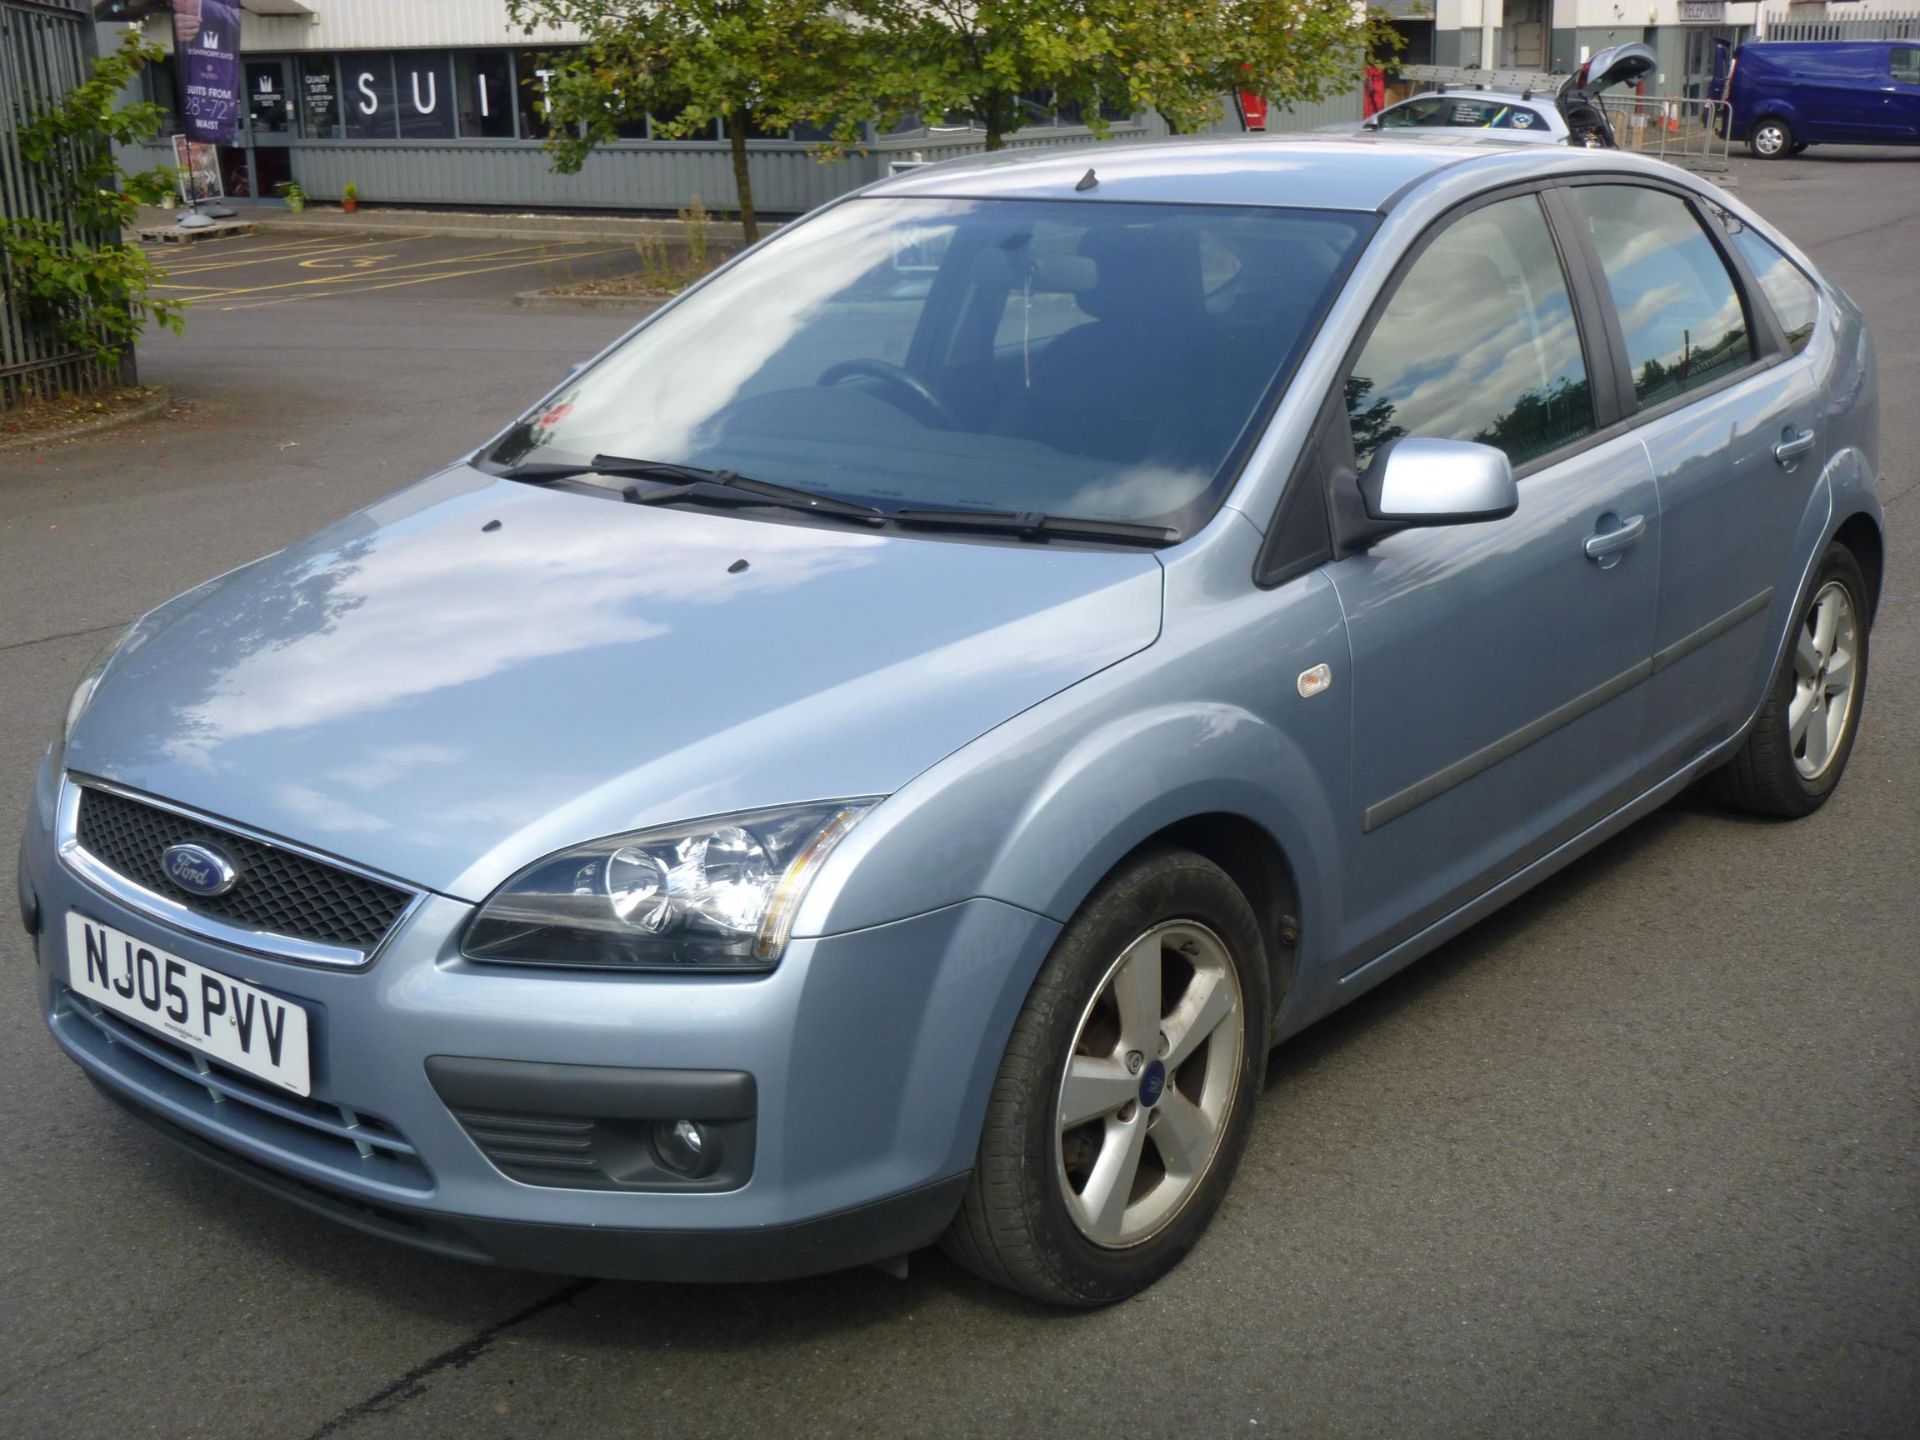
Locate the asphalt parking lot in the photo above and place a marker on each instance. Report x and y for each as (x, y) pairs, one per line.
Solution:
(1638, 1155)
(274, 269)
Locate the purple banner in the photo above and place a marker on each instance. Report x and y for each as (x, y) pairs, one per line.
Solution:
(208, 32)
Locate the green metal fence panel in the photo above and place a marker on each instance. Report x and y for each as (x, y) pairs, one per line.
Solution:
(45, 50)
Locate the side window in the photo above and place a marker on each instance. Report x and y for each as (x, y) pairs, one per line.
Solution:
(1425, 111)
(1478, 343)
(1904, 60)
(1679, 308)
(1518, 117)
(1795, 298)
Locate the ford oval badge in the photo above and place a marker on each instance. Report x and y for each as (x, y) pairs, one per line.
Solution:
(198, 869)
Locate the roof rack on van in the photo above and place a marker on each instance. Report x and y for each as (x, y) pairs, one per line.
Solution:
(1538, 82)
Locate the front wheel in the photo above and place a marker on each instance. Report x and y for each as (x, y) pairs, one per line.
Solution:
(1771, 138)
(1125, 1096)
(1794, 755)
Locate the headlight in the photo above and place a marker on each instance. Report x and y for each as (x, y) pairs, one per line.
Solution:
(717, 894)
(83, 692)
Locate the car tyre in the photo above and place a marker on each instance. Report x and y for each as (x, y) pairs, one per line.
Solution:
(1798, 748)
(1771, 138)
(1052, 1210)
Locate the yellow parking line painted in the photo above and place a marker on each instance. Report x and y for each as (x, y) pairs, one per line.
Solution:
(396, 284)
(451, 261)
(241, 247)
(297, 256)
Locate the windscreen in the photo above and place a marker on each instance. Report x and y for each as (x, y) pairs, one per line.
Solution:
(1090, 359)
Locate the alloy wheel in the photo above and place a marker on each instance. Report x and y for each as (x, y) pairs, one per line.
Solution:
(1149, 1084)
(1825, 680)
(1769, 140)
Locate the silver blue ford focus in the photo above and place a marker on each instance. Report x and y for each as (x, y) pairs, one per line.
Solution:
(882, 753)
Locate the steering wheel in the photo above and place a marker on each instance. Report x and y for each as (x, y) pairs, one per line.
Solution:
(897, 379)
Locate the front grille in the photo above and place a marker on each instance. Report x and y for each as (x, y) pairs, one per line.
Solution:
(537, 1149)
(353, 1143)
(279, 891)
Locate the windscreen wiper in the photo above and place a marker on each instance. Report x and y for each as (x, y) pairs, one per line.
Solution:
(1032, 525)
(699, 484)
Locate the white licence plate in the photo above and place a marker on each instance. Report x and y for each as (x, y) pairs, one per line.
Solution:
(228, 1019)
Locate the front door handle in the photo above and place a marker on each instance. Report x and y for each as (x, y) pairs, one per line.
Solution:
(1792, 446)
(1612, 542)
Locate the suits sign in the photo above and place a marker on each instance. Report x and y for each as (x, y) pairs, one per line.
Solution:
(209, 35)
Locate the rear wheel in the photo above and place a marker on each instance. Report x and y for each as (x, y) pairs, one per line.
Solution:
(1798, 748)
(1124, 1099)
(1771, 138)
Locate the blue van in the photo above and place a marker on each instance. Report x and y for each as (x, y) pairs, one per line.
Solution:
(1788, 95)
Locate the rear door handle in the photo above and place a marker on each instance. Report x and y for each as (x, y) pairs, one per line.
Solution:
(1613, 541)
(1792, 446)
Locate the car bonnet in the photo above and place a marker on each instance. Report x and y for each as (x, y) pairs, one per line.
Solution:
(477, 672)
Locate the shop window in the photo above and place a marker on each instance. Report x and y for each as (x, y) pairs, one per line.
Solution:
(423, 86)
(535, 70)
(319, 84)
(164, 93)
(368, 97)
(483, 94)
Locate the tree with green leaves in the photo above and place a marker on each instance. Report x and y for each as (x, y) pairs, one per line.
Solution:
(74, 275)
(766, 65)
(1002, 63)
(757, 65)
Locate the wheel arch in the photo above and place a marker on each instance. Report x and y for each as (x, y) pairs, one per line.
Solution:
(1860, 533)
(1259, 867)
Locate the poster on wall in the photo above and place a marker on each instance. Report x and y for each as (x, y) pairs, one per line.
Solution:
(197, 167)
(207, 35)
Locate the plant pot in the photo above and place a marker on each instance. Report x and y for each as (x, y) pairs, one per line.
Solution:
(350, 206)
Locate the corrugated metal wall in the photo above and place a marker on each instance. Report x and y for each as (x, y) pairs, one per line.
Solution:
(628, 176)
(45, 49)
(388, 25)
(1336, 110)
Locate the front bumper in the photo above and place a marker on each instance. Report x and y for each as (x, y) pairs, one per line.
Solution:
(870, 1056)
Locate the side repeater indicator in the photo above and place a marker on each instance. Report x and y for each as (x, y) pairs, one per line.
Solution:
(1313, 681)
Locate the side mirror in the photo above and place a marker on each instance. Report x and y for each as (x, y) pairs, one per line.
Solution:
(1415, 481)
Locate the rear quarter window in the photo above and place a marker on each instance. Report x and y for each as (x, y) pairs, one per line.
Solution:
(1795, 299)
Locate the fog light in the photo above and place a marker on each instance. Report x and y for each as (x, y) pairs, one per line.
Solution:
(685, 1147)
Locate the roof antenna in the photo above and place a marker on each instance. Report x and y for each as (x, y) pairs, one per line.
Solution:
(1088, 180)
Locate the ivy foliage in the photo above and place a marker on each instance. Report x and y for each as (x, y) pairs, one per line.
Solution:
(73, 275)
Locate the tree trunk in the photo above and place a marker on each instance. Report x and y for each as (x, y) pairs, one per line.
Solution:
(996, 113)
(742, 181)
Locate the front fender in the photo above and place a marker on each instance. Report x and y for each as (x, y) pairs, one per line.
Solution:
(1206, 721)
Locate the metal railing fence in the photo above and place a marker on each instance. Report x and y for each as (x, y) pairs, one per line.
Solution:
(1688, 133)
(1865, 25)
(46, 47)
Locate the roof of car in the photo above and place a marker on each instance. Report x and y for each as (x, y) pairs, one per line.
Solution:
(1326, 172)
